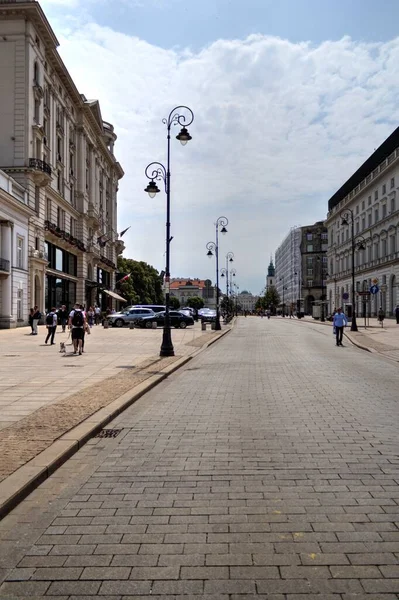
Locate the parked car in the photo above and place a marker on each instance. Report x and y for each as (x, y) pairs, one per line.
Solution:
(129, 316)
(207, 315)
(177, 319)
(155, 307)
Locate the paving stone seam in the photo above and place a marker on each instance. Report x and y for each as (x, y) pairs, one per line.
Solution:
(24, 480)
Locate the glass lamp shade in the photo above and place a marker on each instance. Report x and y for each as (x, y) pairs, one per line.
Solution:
(210, 253)
(183, 136)
(223, 230)
(222, 275)
(152, 189)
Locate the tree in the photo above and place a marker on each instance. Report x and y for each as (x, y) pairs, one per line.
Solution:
(272, 298)
(195, 302)
(227, 305)
(144, 286)
(174, 302)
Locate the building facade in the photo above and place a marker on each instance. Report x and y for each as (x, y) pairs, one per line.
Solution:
(369, 200)
(55, 143)
(313, 273)
(185, 288)
(246, 301)
(14, 260)
(288, 268)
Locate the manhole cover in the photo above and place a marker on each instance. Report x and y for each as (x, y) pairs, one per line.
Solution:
(108, 433)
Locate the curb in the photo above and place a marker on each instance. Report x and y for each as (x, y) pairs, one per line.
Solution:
(348, 337)
(17, 486)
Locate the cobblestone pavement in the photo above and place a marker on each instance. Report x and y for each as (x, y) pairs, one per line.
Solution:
(268, 468)
(33, 375)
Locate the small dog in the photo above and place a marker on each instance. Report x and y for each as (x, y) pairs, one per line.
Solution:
(62, 348)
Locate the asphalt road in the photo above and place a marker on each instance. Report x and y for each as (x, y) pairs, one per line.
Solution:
(267, 467)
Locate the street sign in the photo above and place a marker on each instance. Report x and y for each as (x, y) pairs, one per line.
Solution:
(375, 280)
(367, 293)
(345, 296)
(374, 289)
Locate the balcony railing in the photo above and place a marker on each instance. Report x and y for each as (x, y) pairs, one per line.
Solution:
(4, 265)
(39, 165)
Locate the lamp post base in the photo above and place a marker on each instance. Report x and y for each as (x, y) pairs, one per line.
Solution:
(354, 324)
(166, 346)
(218, 326)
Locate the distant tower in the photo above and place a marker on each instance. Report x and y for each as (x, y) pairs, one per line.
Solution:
(271, 275)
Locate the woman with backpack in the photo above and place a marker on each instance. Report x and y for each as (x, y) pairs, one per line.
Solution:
(77, 321)
(51, 324)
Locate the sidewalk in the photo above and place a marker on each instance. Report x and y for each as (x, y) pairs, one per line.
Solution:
(45, 394)
(374, 338)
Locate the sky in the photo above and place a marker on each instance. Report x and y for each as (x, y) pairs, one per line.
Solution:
(289, 98)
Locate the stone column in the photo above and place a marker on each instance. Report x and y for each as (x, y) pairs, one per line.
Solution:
(6, 284)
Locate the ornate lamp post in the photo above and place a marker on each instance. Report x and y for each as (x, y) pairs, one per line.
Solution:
(156, 171)
(213, 247)
(346, 216)
(225, 272)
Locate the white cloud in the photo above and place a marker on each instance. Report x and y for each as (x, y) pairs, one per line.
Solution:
(278, 128)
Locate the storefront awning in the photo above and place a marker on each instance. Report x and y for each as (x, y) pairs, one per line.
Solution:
(114, 295)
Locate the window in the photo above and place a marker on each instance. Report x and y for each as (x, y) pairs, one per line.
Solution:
(310, 282)
(59, 148)
(357, 209)
(376, 250)
(338, 238)
(37, 199)
(363, 223)
(20, 252)
(392, 244)
(384, 211)
(36, 73)
(376, 215)
(376, 195)
(309, 260)
(309, 248)
(369, 219)
(59, 181)
(324, 235)
(36, 114)
(363, 205)
(310, 271)
(384, 189)
(357, 226)
(392, 205)
(324, 260)
(392, 183)
(309, 237)
(73, 226)
(48, 209)
(58, 259)
(71, 171)
(370, 253)
(347, 235)
(369, 201)
(20, 305)
(383, 248)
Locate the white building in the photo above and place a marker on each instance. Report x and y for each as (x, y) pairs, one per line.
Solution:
(288, 268)
(54, 142)
(371, 193)
(247, 301)
(14, 230)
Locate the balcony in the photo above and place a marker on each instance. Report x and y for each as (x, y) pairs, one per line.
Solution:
(4, 266)
(38, 255)
(41, 171)
(93, 215)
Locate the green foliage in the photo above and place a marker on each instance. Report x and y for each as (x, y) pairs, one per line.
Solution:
(227, 305)
(144, 286)
(174, 303)
(270, 300)
(195, 302)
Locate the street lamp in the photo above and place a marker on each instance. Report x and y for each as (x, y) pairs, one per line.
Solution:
(225, 272)
(320, 261)
(213, 247)
(346, 216)
(156, 171)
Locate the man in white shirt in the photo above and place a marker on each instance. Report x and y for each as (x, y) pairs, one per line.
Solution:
(77, 321)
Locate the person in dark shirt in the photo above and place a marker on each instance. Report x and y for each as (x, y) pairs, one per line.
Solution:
(63, 315)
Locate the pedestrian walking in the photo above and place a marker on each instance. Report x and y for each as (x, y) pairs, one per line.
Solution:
(51, 324)
(397, 314)
(30, 320)
(97, 315)
(339, 322)
(90, 316)
(63, 317)
(77, 322)
(381, 316)
(37, 315)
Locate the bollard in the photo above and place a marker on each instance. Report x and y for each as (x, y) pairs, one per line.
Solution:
(131, 325)
(154, 325)
(106, 324)
(203, 326)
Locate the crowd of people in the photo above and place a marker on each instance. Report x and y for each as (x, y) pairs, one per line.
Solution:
(78, 321)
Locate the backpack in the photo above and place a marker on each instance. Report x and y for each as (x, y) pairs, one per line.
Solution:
(77, 319)
(50, 319)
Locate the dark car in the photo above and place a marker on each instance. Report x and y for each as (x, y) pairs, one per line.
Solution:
(177, 319)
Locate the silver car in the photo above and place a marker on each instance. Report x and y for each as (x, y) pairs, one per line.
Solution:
(128, 316)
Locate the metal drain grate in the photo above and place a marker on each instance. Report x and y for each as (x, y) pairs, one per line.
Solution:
(108, 433)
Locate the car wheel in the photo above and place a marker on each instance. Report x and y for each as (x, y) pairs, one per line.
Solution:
(119, 323)
(148, 325)
(183, 324)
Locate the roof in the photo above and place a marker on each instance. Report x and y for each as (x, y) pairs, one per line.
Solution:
(382, 152)
(176, 284)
